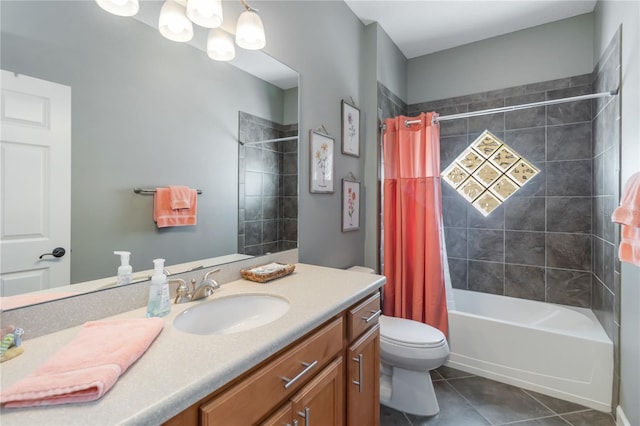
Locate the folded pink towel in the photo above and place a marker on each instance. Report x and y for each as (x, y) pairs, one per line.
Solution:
(165, 216)
(88, 366)
(180, 197)
(629, 211)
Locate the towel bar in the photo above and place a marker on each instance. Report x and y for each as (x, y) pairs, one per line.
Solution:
(149, 191)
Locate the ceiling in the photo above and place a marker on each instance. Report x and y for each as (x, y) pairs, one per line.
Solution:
(421, 27)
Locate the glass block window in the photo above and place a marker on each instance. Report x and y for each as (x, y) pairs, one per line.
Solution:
(488, 172)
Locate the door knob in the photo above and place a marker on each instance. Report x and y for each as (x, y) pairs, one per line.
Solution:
(57, 252)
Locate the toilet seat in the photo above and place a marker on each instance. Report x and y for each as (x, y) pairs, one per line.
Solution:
(409, 333)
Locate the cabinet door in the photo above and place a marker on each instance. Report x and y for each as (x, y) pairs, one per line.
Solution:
(321, 401)
(363, 380)
(282, 417)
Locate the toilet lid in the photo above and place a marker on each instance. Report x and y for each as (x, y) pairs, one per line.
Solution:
(409, 333)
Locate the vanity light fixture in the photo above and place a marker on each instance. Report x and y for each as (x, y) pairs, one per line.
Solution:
(220, 45)
(249, 29)
(173, 22)
(177, 16)
(120, 7)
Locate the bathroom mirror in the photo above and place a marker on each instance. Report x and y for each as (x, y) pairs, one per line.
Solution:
(146, 112)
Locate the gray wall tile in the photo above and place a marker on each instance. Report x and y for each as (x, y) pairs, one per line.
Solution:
(525, 282)
(487, 277)
(525, 248)
(569, 214)
(569, 287)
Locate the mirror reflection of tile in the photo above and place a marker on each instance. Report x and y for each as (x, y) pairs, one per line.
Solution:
(488, 172)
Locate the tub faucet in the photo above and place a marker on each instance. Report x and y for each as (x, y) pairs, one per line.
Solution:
(206, 286)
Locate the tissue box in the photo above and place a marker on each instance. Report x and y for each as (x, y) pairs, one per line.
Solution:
(268, 272)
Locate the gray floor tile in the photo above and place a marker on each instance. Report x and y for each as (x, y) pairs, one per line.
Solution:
(391, 417)
(589, 418)
(498, 402)
(454, 410)
(556, 405)
(545, 421)
(452, 373)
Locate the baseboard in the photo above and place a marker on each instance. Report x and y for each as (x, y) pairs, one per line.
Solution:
(621, 419)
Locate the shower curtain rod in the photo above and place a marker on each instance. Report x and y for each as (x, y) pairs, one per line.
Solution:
(517, 107)
(290, 138)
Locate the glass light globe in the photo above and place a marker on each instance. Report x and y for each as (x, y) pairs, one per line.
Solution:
(120, 7)
(173, 22)
(220, 45)
(250, 31)
(206, 13)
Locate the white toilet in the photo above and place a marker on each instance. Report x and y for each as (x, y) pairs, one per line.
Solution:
(408, 351)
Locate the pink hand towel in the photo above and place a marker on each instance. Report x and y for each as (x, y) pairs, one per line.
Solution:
(629, 250)
(629, 211)
(180, 197)
(628, 215)
(88, 366)
(165, 216)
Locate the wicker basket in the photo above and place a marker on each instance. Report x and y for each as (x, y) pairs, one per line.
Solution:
(261, 273)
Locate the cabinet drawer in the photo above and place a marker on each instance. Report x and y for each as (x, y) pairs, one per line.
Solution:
(363, 316)
(256, 395)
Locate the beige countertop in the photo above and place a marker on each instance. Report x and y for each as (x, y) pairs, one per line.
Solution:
(180, 368)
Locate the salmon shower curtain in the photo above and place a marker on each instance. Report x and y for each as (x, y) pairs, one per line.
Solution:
(413, 232)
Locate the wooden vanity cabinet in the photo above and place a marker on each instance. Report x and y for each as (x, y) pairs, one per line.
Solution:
(363, 363)
(319, 372)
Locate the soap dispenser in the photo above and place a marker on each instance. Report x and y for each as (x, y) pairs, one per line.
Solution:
(159, 304)
(124, 271)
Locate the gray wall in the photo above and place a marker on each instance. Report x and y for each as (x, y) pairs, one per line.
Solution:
(329, 62)
(147, 112)
(541, 53)
(609, 16)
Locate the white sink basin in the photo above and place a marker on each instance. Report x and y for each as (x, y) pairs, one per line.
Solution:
(231, 314)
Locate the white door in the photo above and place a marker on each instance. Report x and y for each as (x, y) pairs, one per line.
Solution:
(35, 184)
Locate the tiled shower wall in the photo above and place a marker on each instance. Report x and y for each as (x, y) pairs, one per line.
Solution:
(268, 186)
(605, 236)
(537, 245)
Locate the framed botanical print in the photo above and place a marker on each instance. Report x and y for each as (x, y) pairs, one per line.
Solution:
(350, 130)
(350, 205)
(321, 162)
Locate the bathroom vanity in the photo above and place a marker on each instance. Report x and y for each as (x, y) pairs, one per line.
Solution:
(318, 364)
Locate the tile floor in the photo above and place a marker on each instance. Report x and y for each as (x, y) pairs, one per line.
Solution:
(469, 400)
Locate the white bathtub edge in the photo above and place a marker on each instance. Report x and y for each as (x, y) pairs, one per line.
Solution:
(596, 405)
(621, 418)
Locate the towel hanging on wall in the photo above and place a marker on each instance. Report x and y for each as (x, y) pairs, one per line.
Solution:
(628, 215)
(165, 216)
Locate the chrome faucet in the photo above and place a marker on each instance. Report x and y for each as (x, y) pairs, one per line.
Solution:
(201, 291)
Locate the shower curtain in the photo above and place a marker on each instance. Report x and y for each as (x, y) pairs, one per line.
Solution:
(414, 252)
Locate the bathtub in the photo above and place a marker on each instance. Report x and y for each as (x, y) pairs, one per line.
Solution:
(552, 349)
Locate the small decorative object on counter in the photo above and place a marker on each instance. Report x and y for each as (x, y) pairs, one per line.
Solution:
(124, 271)
(159, 304)
(268, 272)
(10, 343)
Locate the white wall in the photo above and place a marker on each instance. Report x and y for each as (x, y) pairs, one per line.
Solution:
(546, 52)
(609, 15)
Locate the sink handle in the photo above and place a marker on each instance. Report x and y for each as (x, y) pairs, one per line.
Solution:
(289, 382)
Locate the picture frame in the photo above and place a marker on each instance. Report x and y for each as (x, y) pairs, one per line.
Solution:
(321, 156)
(350, 129)
(350, 205)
